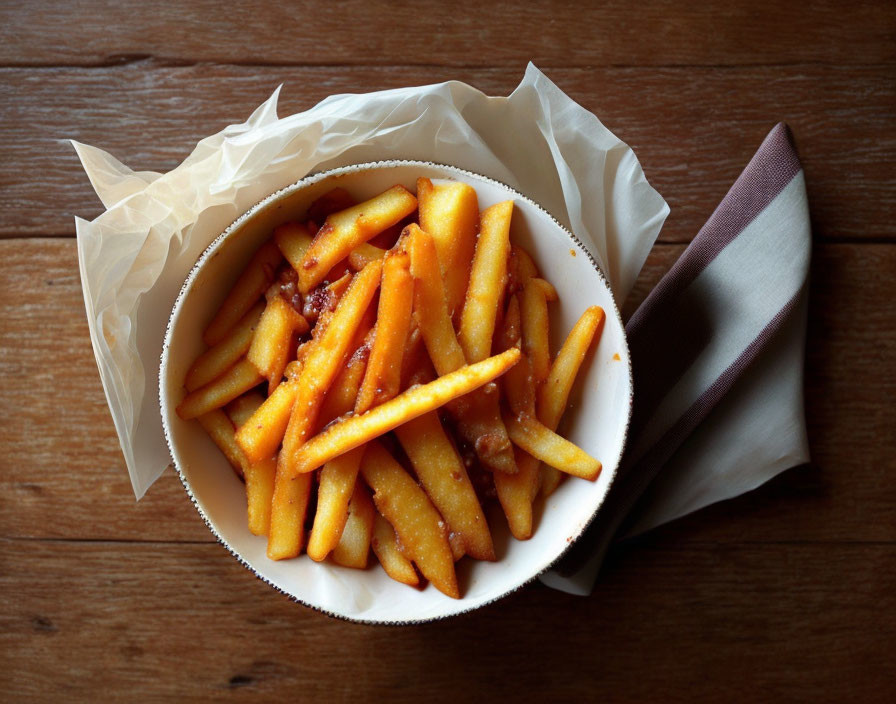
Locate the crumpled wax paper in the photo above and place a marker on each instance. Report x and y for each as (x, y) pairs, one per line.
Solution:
(135, 256)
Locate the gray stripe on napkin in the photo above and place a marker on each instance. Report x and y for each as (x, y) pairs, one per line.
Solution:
(702, 327)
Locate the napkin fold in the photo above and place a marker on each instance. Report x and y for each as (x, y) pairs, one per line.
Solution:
(717, 351)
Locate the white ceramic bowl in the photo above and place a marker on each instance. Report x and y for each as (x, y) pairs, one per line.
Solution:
(597, 419)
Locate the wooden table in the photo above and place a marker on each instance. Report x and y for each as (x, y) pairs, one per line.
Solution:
(786, 593)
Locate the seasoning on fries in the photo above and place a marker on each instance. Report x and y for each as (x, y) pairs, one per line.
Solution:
(360, 364)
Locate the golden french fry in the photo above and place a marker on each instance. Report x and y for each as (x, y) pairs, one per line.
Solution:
(220, 430)
(385, 547)
(518, 383)
(259, 476)
(343, 393)
(516, 493)
(218, 359)
(544, 444)
(262, 433)
(289, 503)
(337, 482)
(449, 212)
(259, 493)
(293, 239)
(270, 347)
(488, 278)
(249, 287)
(520, 269)
(477, 416)
(431, 309)
(383, 375)
(416, 521)
(320, 366)
(553, 396)
(444, 477)
(550, 293)
(363, 254)
(344, 231)
(327, 352)
(332, 201)
(416, 367)
(348, 434)
(353, 547)
(534, 315)
(242, 408)
(241, 377)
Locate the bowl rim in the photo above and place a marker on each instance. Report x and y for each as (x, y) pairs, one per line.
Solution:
(310, 179)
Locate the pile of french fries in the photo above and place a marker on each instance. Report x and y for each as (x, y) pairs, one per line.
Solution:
(378, 378)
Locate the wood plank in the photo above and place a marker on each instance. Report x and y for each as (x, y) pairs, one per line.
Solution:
(694, 129)
(60, 445)
(671, 32)
(708, 623)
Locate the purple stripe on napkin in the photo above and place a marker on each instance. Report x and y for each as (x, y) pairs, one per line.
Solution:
(720, 305)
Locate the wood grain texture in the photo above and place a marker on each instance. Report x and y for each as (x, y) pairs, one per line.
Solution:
(774, 623)
(60, 445)
(462, 33)
(693, 129)
(786, 593)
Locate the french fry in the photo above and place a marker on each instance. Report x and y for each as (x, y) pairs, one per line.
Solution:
(259, 476)
(385, 547)
(544, 444)
(243, 407)
(249, 287)
(431, 310)
(260, 436)
(337, 477)
(337, 482)
(343, 393)
(220, 430)
(520, 269)
(444, 477)
(218, 359)
(320, 367)
(259, 492)
(488, 278)
(456, 543)
(241, 377)
(534, 315)
(289, 503)
(344, 231)
(416, 521)
(416, 367)
(517, 491)
(327, 352)
(348, 434)
(449, 212)
(293, 240)
(332, 201)
(270, 347)
(363, 254)
(383, 375)
(477, 416)
(354, 545)
(554, 393)
(550, 293)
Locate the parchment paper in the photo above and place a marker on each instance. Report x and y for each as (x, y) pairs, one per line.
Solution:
(135, 256)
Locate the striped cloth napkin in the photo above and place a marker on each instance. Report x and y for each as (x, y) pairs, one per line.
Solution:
(717, 352)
